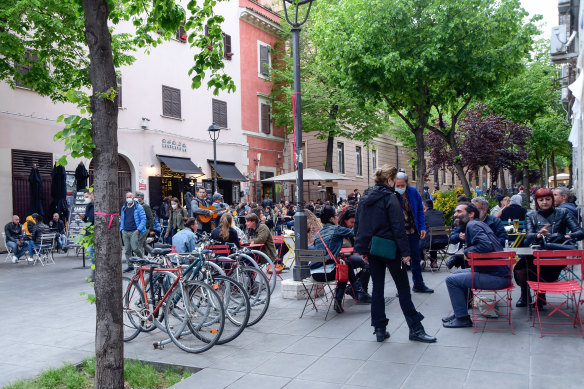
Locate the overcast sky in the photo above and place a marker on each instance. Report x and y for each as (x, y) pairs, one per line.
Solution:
(547, 8)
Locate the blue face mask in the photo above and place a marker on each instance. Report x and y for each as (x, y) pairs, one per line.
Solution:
(400, 190)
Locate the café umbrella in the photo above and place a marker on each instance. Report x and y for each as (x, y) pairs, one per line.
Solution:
(309, 175)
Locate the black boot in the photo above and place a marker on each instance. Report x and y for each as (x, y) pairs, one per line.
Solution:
(364, 277)
(418, 334)
(338, 303)
(349, 291)
(381, 334)
(524, 299)
(362, 295)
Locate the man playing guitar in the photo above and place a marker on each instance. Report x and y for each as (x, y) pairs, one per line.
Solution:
(196, 208)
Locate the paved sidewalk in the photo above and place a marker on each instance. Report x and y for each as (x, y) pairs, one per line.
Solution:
(55, 324)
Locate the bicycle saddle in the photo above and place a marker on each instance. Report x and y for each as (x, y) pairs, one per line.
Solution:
(161, 251)
(162, 246)
(141, 261)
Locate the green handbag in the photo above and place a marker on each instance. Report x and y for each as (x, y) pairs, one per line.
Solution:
(382, 247)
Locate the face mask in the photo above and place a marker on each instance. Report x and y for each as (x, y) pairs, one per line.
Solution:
(87, 200)
(129, 200)
(400, 190)
(173, 206)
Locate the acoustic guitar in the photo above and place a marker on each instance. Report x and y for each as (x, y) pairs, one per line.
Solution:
(213, 214)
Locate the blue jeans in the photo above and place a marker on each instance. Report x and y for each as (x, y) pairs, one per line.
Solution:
(399, 274)
(16, 251)
(461, 280)
(31, 247)
(415, 260)
(62, 241)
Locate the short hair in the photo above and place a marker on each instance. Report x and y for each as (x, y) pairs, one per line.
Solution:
(483, 201)
(471, 208)
(402, 176)
(201, 187)
(463, 199)
(384, 173)
(252, 217)
(429, 204)
(140, 194)
(563, 191)
(327, 213)
(543, 192)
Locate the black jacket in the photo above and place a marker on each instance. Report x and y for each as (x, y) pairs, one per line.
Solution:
(57, 226)
(380, 214)
(13, 232)
(89, 213)
(39, 229)
(560, 220)
(434, 218)
(513, 212)
(493, 222)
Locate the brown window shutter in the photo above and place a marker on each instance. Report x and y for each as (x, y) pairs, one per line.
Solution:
(220, 113)
(264, 60)
(227, 46)
(171, 102)
(181, 34)
(265, 120)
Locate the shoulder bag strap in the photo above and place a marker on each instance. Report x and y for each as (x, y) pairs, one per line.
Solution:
(327, 249)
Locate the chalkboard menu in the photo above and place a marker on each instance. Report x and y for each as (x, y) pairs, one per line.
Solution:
(76, 223)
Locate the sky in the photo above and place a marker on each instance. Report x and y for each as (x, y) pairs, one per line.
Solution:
(547, 8)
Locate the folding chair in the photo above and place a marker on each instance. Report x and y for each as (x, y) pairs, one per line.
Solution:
(568, 291)
(9, 252)
(495, 300)
(44, 253)
(440, 248)
(316, 290)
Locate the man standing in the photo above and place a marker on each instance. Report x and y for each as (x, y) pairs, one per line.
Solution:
(415, 224)
(201, 201)
(218, 204)
(56, 225)
(133, 224)
(149, 218)
(267, 202)
(479, 239)
(494, 223)
(13, 232)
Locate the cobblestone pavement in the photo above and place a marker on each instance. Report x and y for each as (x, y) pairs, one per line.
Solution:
(46, 322)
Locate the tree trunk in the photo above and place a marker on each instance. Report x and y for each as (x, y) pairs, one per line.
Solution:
(328, 167)
(463, 180)
(478, 181)
(554, 169)
(541, 175)
(109, 350)
(503, 183)
(525, 180)
(421, 158)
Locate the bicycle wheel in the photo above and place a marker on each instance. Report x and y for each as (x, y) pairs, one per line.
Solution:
(272, 278)
(155, 291)
(236, 304)
(132, 306)
(257, 287)
(194, 316)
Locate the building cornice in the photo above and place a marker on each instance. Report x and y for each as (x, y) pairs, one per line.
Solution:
(262, 22)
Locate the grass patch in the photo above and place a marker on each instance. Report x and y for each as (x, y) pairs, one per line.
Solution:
(137, 374)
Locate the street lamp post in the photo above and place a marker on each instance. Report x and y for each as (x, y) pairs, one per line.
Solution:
(301, 269)
(214, 135)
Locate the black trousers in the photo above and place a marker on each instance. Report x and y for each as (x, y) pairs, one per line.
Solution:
(399, 274)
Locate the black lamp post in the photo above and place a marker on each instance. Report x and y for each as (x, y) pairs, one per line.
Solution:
(301, 269)
(214, 135)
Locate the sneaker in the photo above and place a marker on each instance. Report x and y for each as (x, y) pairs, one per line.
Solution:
(14, 259)
(31, 259)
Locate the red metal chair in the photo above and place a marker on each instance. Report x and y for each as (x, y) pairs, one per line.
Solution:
(568, 291)
(494, 300)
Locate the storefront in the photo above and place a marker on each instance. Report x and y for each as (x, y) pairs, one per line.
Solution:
(173, 180)
(228, 180)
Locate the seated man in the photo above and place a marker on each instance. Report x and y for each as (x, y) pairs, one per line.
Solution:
(40, 228)
(57, 226)
(434, 218)
(13, 232)
(261, 235)
(185, 241)
(479, 239)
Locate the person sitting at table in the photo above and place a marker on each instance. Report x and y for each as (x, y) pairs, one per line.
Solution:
(502, 202)
(57, 226)
(494, 223)
(546, 226)
(13, 233)
(347, 219)
(564, 198)
(185, 241)
(40, 228)
(225, 233)
(260, 234)
(514, 211)
(479, 239)
(434, 218)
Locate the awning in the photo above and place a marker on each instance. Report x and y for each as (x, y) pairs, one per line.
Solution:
(227, 171)
(180, 165)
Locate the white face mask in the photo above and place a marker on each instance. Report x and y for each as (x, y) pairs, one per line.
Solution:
(87, 200)
(173, 206)
(129, 200)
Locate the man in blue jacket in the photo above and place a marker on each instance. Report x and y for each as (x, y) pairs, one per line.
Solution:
(411, 203)
(479, 239)
(132, 225)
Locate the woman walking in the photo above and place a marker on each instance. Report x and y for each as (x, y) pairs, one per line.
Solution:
(380, 216)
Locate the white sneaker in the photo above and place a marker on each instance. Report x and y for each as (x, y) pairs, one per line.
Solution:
(14, 259)
(31, 259)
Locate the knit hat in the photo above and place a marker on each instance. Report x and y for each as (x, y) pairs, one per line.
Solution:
(217, 196)
(516, 200)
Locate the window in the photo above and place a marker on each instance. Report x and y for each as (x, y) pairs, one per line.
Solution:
(171, 102)
(443, 176)
(374, 159)
(220, 113)
(359, 161)
(24, 69)
(436, 183)
(264, 60)
(265, 117)
(227, 47)
(119, 82)
(341, 156)
(181, 34)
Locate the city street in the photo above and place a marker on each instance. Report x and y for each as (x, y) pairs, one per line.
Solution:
(54, 324)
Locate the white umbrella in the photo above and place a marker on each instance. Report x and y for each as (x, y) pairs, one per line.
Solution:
(309, 175)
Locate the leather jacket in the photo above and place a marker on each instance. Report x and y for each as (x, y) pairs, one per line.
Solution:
(560, 221)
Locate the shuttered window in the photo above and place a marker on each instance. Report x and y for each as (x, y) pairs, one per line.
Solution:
(220, 113)
(24, 69)
(264, 62)
(119, 81)
(227, 46)
(171, 102)
(266, 118)
(181, 34)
